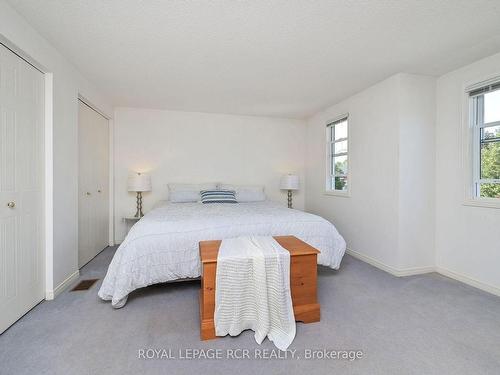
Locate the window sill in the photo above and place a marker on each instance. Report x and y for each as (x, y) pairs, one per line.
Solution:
(486, 203)
(345, 194)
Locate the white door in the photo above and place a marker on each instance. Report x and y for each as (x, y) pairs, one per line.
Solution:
(21, 187)
(102, 184)
(93, 203)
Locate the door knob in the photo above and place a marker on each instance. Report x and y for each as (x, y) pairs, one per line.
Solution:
(98, 191)
(11, 204)
(88, 193)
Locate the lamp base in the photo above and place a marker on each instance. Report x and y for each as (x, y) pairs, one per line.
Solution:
(290, 199)
(139, 213)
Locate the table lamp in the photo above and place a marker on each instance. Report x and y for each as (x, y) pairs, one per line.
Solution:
(139, 182)
(289, 182)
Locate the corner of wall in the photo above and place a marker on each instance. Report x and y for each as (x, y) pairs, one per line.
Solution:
(416, 152)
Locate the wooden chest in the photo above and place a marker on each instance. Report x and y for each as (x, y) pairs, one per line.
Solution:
(303, 282)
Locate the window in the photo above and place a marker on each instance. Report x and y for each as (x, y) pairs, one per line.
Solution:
(485, 130)
(337, 175)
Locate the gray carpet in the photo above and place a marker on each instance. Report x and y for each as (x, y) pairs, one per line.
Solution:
(424, 324)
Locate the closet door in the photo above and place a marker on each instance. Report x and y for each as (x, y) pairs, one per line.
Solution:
(85, 213)
(93, 203)
(21, 187)
(102, 184)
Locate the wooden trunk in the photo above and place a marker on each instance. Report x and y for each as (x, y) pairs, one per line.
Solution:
(303, 282)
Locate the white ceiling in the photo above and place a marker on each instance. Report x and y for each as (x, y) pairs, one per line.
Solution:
(286, 58)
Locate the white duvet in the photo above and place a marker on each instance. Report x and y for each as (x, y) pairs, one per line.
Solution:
(163, 245)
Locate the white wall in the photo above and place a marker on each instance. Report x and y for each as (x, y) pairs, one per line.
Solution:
(67, 84)
(467, 238)
(368, 219)
(384, 215)
(417, 110)
(202, 147)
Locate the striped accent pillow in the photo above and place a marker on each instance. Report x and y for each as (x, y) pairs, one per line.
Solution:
(218, 196)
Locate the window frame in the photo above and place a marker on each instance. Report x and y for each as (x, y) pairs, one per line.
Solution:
(473, 124)
(330, 154)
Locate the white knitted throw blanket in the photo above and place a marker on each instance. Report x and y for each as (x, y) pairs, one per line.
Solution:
(253, 290)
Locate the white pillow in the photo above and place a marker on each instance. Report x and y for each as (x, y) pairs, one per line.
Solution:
(183, 196)
(184, 193)
(246, 193)
(192, 187)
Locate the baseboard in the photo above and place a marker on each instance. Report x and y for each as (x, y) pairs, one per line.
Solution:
(469, 281)
(399, 272)
(51, 294)
(421, 270)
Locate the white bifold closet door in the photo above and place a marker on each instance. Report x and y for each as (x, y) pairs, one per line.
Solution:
(21, 187)
(93, 202)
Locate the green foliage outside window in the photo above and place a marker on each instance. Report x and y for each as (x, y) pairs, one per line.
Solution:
(490, 168)
(490, 165)
(341, 169)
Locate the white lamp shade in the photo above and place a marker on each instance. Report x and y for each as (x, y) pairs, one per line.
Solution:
(289, 182)
(139, 182)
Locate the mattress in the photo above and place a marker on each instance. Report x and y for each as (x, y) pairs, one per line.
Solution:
(163, 245)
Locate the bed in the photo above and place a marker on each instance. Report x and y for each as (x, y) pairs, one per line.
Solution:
(163, 245)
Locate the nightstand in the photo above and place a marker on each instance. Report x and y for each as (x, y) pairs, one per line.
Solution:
(130, 221)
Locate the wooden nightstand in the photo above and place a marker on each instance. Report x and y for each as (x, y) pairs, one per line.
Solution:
(130, 221)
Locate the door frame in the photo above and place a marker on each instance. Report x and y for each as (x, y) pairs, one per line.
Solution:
(48, 173)
(111, 199)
